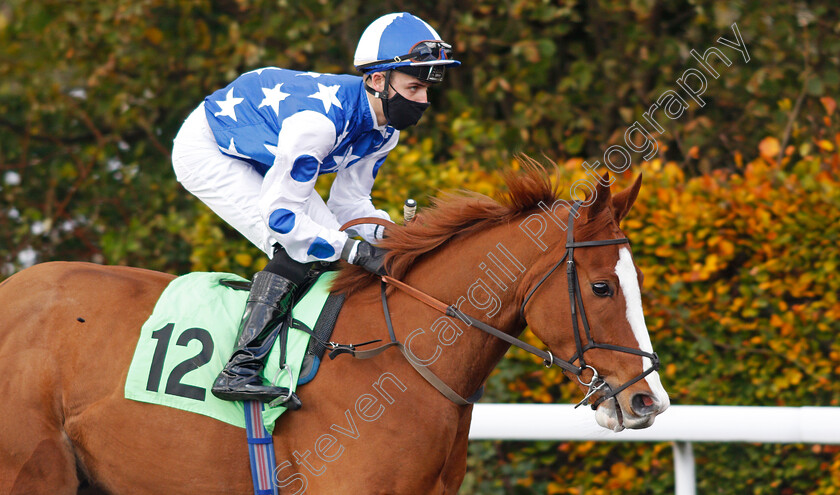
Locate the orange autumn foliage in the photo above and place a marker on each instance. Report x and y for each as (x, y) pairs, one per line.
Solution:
(741, 300)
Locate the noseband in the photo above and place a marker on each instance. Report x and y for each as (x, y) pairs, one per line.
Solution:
(596, 383)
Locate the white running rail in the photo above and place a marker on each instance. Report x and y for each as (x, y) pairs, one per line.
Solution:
(681, 425)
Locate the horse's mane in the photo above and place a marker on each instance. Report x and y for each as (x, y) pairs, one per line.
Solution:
(453, 214)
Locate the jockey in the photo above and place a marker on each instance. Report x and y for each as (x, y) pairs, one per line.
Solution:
(253, 150)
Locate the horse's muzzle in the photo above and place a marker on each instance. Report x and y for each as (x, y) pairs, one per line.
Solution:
(636, 413)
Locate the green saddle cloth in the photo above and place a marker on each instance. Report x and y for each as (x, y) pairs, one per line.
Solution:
(190, 337)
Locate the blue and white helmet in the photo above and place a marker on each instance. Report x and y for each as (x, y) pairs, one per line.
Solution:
(406, 43)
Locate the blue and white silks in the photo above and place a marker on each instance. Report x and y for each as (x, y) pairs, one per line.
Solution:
(292, 127)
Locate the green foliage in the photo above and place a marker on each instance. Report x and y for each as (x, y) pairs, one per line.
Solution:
(92, 94)
(739, 252)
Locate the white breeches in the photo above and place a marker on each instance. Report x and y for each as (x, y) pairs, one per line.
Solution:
(230, 187)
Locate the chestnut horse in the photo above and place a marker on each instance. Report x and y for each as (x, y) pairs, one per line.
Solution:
(69, 330)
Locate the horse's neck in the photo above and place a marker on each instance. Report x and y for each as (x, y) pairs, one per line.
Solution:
(480, 275)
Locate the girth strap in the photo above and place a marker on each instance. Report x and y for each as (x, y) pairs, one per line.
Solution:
(260, 450)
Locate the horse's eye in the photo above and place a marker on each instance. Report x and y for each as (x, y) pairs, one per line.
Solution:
(601, 289)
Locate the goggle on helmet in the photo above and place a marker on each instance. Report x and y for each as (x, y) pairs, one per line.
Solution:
(405, 43)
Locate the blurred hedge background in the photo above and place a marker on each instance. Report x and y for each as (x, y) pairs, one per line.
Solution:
(736, 228)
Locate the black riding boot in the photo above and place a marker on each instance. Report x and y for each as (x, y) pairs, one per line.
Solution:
(268, 302)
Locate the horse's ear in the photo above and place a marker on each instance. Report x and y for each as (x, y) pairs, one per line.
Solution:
(622, 201)
(602, 197)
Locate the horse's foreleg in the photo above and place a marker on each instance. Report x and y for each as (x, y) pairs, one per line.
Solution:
(455, 467)
(36, 457)
(37, 464)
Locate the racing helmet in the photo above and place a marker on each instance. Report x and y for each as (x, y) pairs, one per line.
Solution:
(403, 42)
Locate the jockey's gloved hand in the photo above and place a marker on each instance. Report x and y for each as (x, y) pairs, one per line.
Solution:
(364, 254)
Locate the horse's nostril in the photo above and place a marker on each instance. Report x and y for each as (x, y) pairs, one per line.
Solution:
(643, 404)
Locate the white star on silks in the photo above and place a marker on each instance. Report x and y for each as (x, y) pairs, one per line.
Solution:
(327, 96)
(341, 136)
(347, 159)
(273, 97)
(310, 74)
(232, 151)
(227, 106)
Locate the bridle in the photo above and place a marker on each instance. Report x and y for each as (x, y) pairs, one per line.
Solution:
(595, 384)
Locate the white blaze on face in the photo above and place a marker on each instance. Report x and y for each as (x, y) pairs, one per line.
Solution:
(627, 279)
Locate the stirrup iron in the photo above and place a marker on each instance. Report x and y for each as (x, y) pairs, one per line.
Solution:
(282, 399)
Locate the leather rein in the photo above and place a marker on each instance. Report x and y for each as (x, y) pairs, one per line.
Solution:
(595, 384)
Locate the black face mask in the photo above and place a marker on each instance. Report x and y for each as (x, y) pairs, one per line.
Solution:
(401, 112)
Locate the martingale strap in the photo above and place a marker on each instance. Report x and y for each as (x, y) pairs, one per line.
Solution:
(451, 311)
(427, 374)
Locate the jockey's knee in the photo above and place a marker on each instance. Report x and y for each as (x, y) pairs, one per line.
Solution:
(282, 264)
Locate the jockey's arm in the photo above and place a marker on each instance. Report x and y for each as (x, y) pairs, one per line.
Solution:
(350, 194)
(289, 186)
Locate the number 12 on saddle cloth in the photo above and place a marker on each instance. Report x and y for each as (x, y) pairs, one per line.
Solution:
(189, 337)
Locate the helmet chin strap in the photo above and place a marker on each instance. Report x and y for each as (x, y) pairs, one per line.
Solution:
(382, 95)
